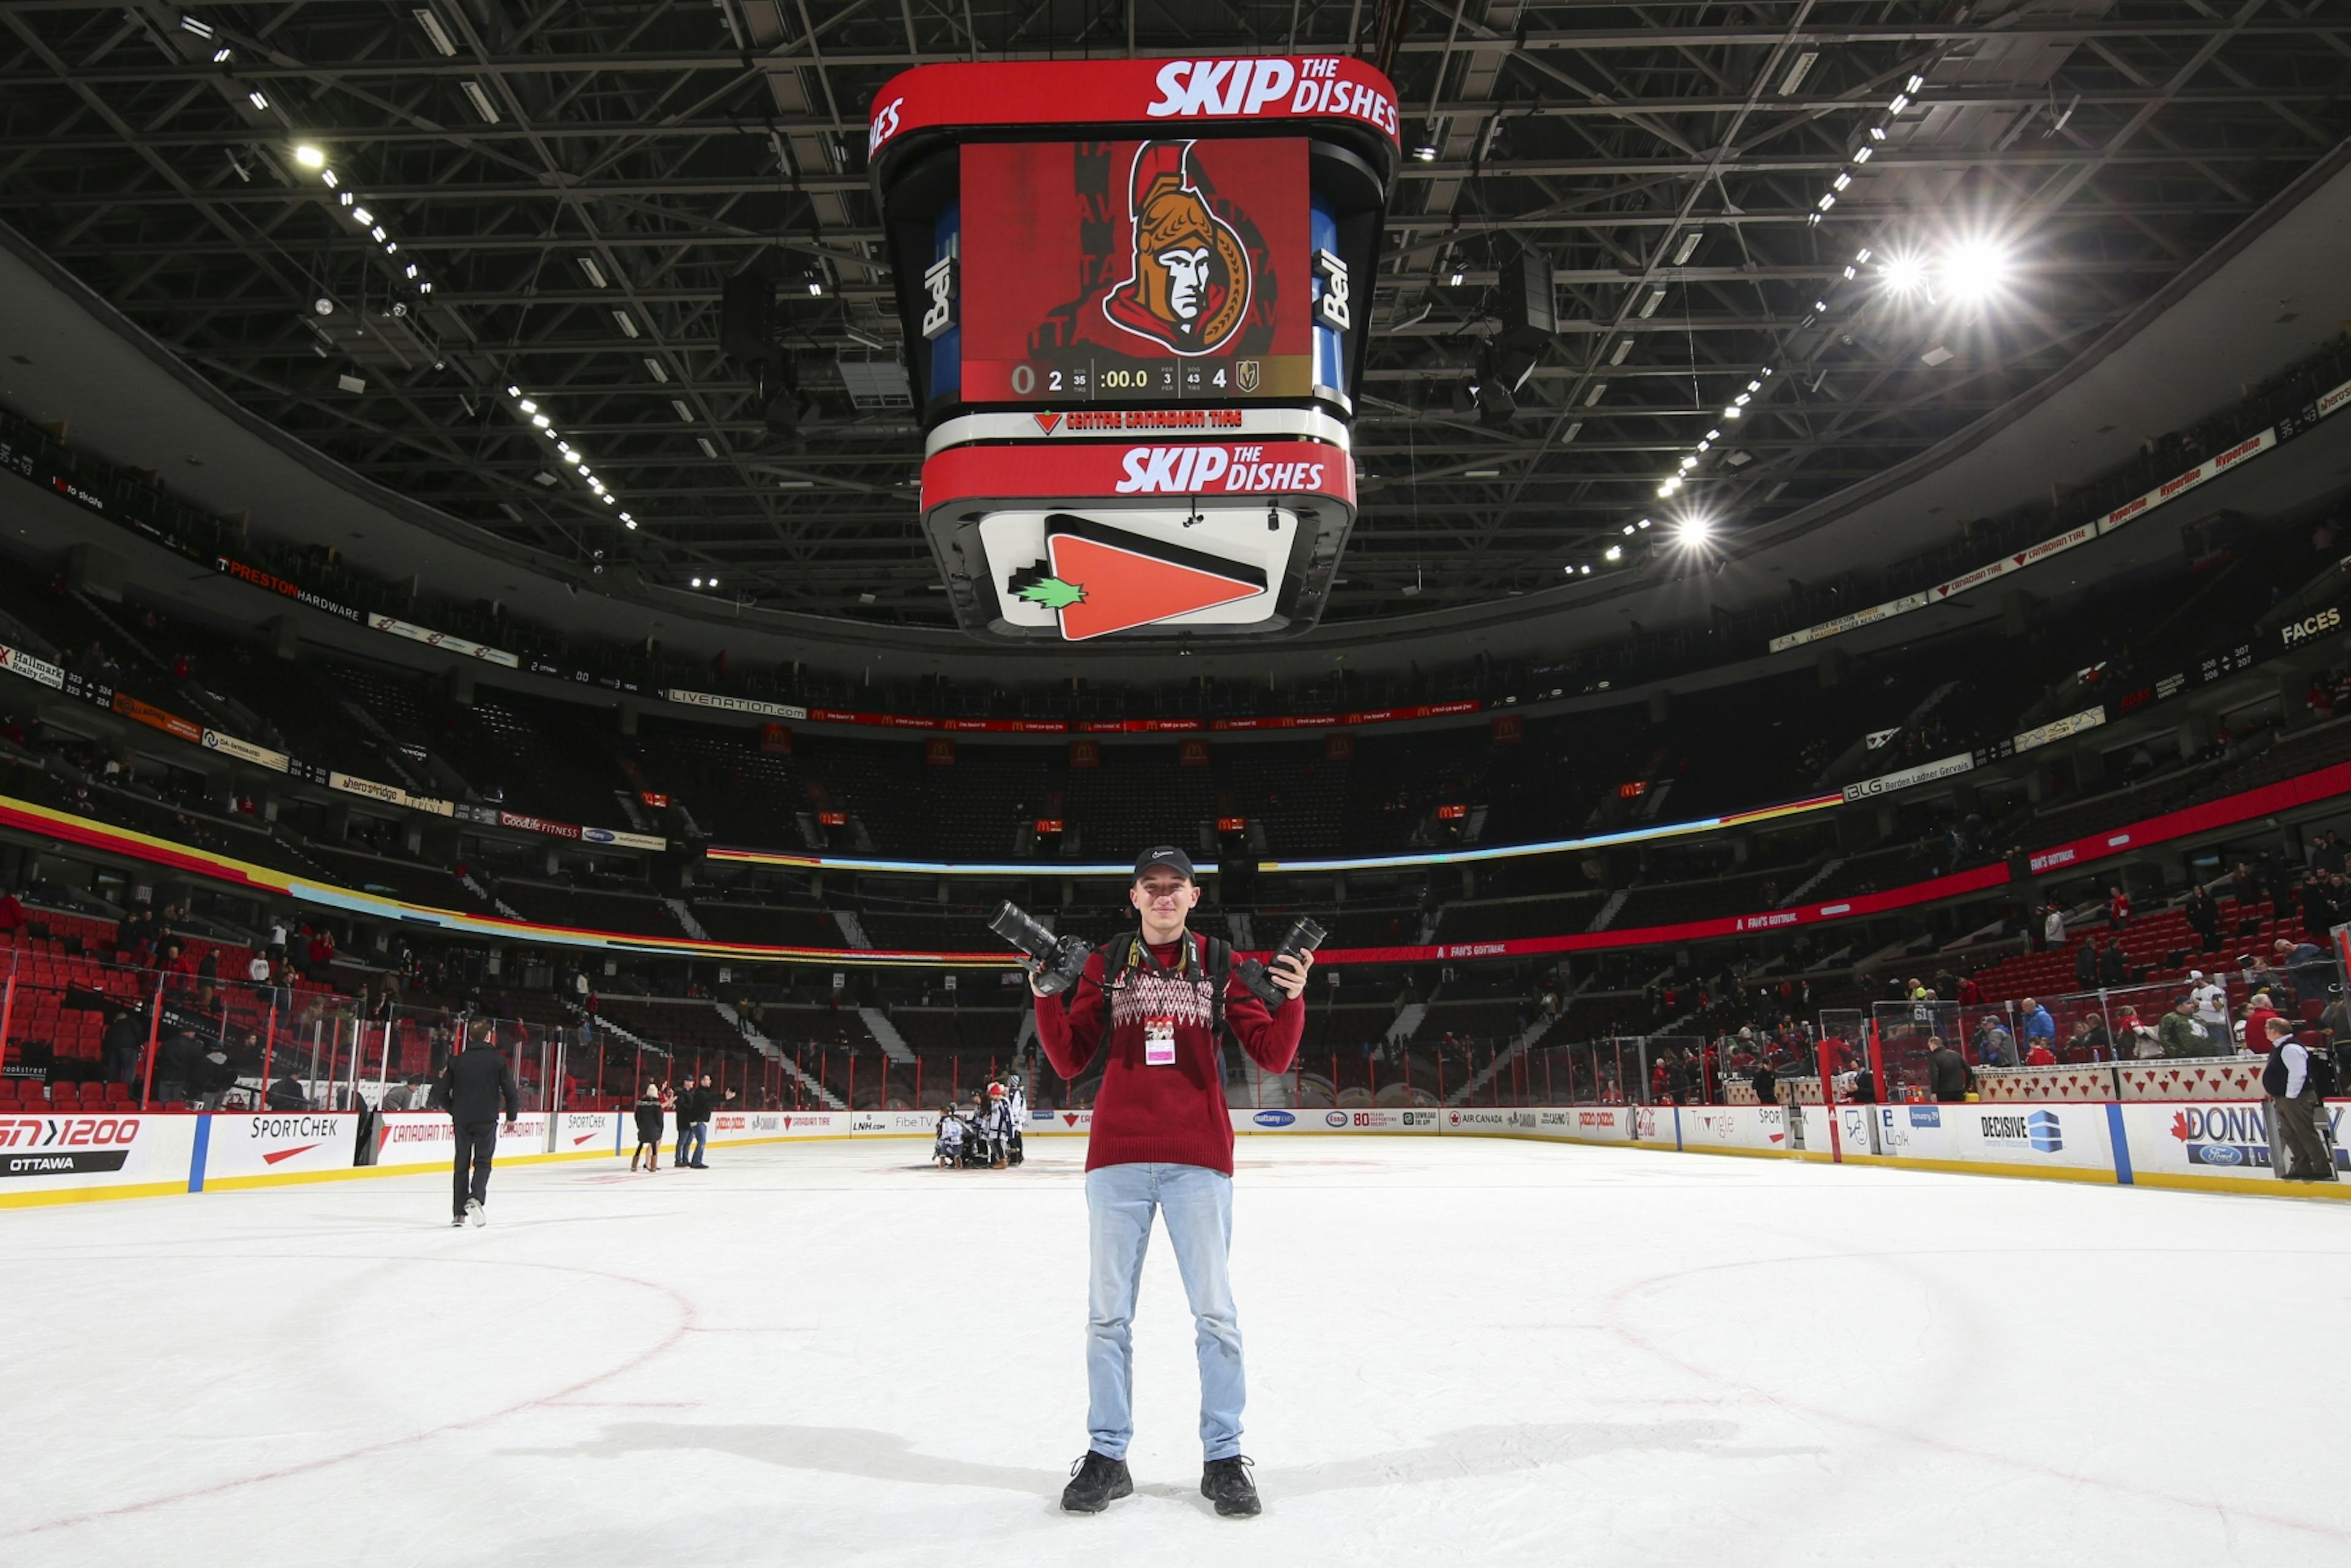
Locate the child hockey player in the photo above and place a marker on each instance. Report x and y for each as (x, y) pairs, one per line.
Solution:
(948, 1152)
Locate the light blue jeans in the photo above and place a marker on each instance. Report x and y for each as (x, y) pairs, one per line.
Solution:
(1198, 1204)
(693, 1140)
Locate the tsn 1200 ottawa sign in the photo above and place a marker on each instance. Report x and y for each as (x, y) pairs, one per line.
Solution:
(1135, 295)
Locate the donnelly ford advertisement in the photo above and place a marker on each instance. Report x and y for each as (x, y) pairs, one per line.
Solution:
(2227, 1138)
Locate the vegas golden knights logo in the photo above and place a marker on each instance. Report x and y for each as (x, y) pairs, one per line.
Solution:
(1246, 373)
(1188, 289)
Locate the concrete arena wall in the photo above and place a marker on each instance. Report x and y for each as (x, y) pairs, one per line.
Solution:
(2217, 1146)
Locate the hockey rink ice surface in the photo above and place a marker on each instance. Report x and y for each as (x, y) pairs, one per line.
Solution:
(1460, 1351)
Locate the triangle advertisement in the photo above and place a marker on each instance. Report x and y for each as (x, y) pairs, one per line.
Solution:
(1098, 579)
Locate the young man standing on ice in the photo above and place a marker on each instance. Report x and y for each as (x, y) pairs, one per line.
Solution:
(1162, 1143)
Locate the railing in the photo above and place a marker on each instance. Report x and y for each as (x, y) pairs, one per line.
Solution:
(84, 1020)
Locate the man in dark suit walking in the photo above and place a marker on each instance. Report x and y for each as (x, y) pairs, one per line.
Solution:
(474, 1086)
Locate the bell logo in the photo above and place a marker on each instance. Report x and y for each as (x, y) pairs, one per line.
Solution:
(1098, 580)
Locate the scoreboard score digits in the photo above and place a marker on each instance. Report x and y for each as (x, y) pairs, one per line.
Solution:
(1173, 270)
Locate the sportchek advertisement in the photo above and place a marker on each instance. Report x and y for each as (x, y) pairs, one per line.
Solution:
(239, 1148)
(581, 1132)
(41, 1154)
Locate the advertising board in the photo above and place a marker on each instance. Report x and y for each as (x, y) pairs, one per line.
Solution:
(2050, 1138)
(44, 1156)
(428, 1138)
(1755, 1128)
(248, 1149)
(2198, 1141)
(1423, 1119)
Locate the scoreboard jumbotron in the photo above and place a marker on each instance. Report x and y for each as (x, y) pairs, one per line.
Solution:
(1133, 294)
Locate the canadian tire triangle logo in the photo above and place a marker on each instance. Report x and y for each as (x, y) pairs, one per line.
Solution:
(1048, 423)
(1098, 579)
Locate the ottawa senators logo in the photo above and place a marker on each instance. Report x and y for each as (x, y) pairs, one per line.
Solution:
(1188, 286)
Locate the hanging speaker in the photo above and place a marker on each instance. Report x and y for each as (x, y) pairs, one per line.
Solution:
(1529, 320)
(747, 315)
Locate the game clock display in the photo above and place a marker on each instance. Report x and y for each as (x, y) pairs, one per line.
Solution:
(1175, 271)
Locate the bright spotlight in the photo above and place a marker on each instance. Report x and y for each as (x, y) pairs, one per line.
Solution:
(1904, 274)
(1975, 269)
(310, 157)
(1693, 531)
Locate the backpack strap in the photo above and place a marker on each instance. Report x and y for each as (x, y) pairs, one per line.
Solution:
(1218, 959)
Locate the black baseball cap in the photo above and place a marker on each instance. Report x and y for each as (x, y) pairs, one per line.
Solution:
(1166, 855)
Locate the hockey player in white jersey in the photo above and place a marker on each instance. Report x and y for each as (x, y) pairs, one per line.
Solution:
(995, 1119)
(1016, 1106)
(948, 1152)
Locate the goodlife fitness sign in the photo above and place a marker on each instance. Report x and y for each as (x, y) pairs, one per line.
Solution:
(1262, 89)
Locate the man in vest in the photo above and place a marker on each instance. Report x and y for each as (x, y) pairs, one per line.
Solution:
(2296, 1082)
(1150, 1002)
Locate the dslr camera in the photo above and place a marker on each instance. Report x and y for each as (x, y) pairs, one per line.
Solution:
(1059, 960)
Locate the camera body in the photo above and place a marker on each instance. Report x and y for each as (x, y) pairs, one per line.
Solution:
(1059, 960)
(1304, 937)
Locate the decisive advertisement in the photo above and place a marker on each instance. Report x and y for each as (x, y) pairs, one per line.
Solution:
(1172, 270)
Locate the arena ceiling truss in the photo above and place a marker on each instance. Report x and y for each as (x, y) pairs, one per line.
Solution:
(577, 180)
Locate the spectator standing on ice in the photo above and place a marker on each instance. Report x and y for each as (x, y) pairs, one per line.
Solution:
(477, 1081)
(1947, 1071)
(1150, 1002)
(649, 1129)
(705, 1105)
(2295, 1105)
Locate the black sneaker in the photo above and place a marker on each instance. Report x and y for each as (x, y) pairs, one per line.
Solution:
(1096, 1481)
(1226, 1482)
